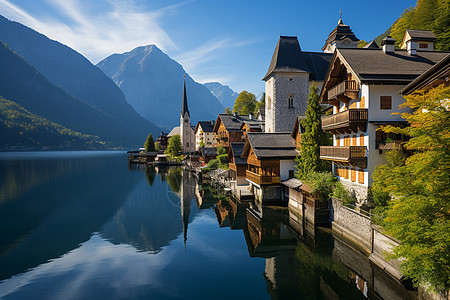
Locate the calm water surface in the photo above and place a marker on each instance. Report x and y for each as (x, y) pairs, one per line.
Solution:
(84, 225)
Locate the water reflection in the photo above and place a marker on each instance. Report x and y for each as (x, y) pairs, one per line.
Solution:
(94, 229)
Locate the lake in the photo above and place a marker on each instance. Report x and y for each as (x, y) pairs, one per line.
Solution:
(85, 225)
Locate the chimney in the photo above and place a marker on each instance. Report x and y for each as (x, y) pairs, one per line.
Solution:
(388, 45)
(411, 46)
(250, 116)
(234, 113)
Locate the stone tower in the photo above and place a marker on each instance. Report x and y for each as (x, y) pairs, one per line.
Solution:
(186, 131)
(286, 87)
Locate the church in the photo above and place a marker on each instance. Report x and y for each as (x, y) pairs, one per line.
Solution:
(186, 131)
(292, 71)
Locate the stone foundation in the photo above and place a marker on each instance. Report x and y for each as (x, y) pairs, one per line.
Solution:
(357, 191)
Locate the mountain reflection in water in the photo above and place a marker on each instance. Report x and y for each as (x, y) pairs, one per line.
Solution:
(86, 226)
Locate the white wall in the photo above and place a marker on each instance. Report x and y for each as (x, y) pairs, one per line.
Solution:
(285, 166)
(373, 101)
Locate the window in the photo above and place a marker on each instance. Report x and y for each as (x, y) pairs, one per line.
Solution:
(269, 102)
(361, 140)
(353, 175)
(385, 102)
(423, 45)
(291, 174)
(354, 140)
(362, 103)
(291, 100)
(290, 79)
(361, 176)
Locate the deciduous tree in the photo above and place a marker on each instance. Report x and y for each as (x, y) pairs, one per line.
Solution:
(174, 148)
(245, 103)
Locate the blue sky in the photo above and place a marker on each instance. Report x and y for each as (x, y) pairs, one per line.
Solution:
(229, 41)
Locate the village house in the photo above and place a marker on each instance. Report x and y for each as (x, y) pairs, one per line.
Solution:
(271, 159)
(163, 141)
(362, 86)
(227, 128)
(204, 133)
(237, 163)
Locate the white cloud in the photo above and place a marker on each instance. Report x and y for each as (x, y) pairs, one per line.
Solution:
(119, 27)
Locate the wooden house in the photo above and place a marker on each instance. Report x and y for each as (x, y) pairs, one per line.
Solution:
(362, 86)
(206, 154)
(227, 128)
(271, 159)
(237, 164)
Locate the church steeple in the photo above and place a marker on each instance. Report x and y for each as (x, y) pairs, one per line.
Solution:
(184, 107)
(341, 37)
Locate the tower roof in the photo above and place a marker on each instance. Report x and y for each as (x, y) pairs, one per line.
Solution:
(184, 107)
(340, 33)
(372, 45)
(287, 57)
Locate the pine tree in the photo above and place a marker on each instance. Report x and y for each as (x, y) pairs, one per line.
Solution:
(149, 144)
(312, 138)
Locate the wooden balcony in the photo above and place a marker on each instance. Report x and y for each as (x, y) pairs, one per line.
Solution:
(262, 179)
(354, 156)
(347, 121)
(344, 91)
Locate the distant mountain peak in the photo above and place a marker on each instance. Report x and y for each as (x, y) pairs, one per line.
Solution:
(222, 92)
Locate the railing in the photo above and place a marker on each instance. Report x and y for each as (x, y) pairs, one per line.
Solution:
(345, 153)
(341, 88)
(262, 179)
(394, 145)
(345, 118)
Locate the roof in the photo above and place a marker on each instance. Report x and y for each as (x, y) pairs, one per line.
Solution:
(372, 45)
(422, 35)
(297, 125)
(184, 106)
(289, 58)
(236, 150)
(207, 126)
(231, 122)
(208, 151)
(174, 131)
(340, 33)
(371, 65)
(253, 124)
(278, 145)
(292, 183)
(435, 75)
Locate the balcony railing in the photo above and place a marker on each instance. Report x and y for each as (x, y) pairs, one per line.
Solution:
(393, 145)
(343, 88)
(352, 118)
(262, 179)
(352, 155)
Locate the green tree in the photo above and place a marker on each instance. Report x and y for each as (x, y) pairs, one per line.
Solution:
(431, 15)
(260, 103)
(174, 147)
(362, 43)
(245, 103)
(149, 144)
(418, 213)
(313, 137)
(228, 110)
(157, 146)
(221, 150)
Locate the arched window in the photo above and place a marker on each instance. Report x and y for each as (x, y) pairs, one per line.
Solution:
(291, 100)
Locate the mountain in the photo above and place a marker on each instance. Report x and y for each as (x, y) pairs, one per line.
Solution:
(153, 85)
(73, 73)
(224, 93)
(20, 129)
(22, 83)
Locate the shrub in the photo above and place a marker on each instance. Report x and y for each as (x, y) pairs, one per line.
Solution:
(223, 159)
(213, 164)
(221, 150)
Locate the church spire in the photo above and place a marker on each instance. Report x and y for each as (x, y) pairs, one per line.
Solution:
(184, 107)
(340, 18)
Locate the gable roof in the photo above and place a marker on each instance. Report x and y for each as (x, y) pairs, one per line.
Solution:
(372, 45)
(434, 76)
(174, 131)
(297, 125)
(375, 65)
(207, 126)
(253, 124)
(275, 145)
(208, 151)
(232, 122)
(236, 150)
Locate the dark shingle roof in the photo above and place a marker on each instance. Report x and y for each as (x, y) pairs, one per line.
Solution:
(423, 35)
(372, 45)
(233, 122)
(375, 65)
(287, 57)
(318, 63)
(278, 145)
(341, 32)
(237, 149)
(207, 126)
(208, 151)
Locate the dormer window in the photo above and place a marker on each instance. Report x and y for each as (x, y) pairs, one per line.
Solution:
(423, 45)
(291, 101)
